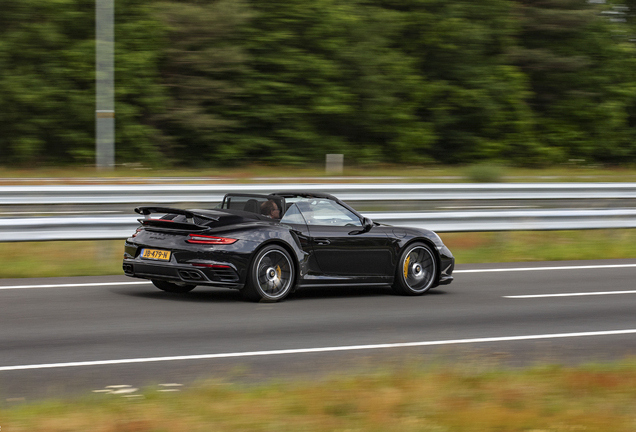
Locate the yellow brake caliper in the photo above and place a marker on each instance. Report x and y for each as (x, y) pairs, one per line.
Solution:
(406, 266)
(278, 272)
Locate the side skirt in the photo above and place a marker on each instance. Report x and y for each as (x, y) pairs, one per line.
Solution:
(382, 284)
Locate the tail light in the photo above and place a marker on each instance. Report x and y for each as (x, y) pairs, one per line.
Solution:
(137, 232)
(203, 239)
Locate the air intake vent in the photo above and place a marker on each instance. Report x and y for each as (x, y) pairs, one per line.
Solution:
(200, 221)
(226, 275)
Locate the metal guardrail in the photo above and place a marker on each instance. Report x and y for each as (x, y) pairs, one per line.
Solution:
(121, 227)
(586, 195)
(205, 194)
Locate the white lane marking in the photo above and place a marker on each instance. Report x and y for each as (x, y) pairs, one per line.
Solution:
(73, 285)
(545, 268)
(456, 271)
(124, 391)
(316, 350)
(597, 293)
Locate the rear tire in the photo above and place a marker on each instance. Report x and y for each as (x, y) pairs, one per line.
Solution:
(173, 287)
(416, 271)
(271, 276)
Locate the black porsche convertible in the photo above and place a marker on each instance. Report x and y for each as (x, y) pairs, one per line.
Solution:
(267, 246)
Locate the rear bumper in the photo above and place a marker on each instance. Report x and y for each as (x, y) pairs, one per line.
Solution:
(190, 266)
(226, 278)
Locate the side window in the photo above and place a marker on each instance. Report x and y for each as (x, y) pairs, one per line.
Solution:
(329, 213)
(293, 216)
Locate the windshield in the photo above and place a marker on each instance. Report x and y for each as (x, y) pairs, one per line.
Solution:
(293, 216)
(319, 211)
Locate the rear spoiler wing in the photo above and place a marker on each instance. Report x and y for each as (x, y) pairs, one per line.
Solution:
(167, 223)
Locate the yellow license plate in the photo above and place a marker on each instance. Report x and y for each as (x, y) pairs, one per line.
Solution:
(155, 254)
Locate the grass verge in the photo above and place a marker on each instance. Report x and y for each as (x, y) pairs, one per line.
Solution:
(94, 258)
(462, 398)
(61, 258)
(520, 246)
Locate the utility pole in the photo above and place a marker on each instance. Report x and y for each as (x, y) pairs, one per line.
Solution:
(105, 84)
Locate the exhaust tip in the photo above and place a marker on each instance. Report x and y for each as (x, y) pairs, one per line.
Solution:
(190, 275)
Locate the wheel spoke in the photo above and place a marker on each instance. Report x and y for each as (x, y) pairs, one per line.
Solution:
(415, 257)
(421, 256)
(266, 261)
(271, 286)
(413, 260)
(262, 281)
(428, 259)
(281, 257)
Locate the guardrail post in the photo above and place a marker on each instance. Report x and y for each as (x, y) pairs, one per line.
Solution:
(334, 164)
(104, 84)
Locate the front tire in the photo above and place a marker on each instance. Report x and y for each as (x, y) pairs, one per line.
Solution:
(172, 287)
(271, 275)
(416, 271)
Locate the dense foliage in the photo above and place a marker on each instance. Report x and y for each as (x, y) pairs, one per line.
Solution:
(210, 82)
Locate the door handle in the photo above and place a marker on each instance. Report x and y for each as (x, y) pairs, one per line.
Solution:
(322, 241)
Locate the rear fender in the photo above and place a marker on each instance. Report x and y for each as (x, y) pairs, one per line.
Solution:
(261, 235)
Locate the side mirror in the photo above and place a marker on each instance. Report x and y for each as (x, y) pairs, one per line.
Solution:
(367, 224)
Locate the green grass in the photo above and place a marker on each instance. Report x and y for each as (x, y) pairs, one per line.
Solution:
(433, 173)
(61, 258)
(519, 246)
(419, 397)
(93, 258)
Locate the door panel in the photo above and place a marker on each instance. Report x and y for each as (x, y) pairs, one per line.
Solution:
(345, 251)
(341, 249)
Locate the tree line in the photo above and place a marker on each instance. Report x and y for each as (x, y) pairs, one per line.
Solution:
(218, 82)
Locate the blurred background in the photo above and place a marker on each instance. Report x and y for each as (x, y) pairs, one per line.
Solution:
(205, 83)
(265, 88)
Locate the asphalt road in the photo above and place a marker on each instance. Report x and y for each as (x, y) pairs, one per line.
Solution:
(66, 340)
